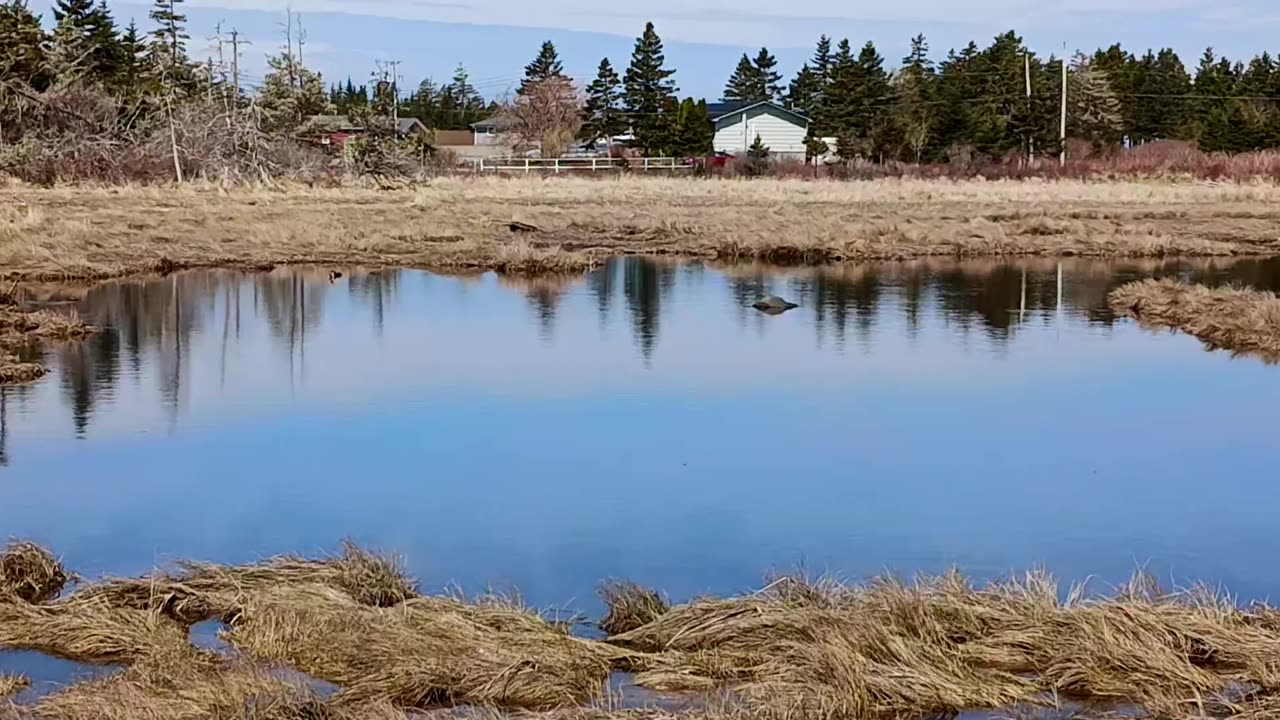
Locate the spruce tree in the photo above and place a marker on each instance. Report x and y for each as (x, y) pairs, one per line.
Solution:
(649, 93)
(804, 90)
(914, 100)
(603, 110)
(757, 158)
(744, 81)
(85, 42)
(170, 40)
(545, 66)
(822, 60)
(131, 75)
(1094, 112)
(694, 133)
(838, 116)
(22, 46)
(767, 76)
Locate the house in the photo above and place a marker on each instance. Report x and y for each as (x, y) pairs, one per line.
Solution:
(737, 124)
(336, 130)
(489, 131)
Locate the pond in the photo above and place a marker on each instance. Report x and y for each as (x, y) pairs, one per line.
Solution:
(644, 422)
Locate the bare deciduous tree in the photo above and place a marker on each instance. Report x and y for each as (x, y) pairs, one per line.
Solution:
(546, 116)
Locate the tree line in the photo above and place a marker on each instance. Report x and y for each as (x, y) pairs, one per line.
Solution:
(991, 102)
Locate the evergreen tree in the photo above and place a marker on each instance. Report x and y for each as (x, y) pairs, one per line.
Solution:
(757, 158)
(460, 104)
(290, 94)
(804, 90)
(914, 100)
(86, 42)
(131, 76)
(22, 46)
(838, 109)
(1216, 121)
(767, 76)
(1093, 110)
(545, 66)
(694, 133)
(603, 110)
(743, 82)
(649, 93)
(822, 60)
(170, 41)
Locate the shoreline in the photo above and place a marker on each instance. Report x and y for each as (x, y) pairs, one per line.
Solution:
(1245, 322)
(539, 226)
(798, 647)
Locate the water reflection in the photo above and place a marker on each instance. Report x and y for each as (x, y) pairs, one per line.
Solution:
(159, 318)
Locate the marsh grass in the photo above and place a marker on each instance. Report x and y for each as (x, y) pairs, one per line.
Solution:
(30, 573)
(19, 328)
(11, 685)
(1236, 319)
(798, 648)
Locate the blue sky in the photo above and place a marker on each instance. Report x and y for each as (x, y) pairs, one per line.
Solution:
(495, 38)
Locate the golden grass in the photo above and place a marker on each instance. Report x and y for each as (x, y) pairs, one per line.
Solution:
(30, 573)
(426, 653)
(464, 223)
(13, 684)
(1244, 321)
(19, 328)
(629, 606)
(890, 648)
(196, 592)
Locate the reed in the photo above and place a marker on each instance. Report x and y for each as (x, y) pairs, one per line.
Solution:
(1240, 320)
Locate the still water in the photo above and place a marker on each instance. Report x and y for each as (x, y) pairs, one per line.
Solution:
(644, 422)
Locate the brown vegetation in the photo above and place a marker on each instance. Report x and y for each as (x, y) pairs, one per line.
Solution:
(1244, 321)
(13, 684)
(796, 649)
(30, 573)
(19, 328)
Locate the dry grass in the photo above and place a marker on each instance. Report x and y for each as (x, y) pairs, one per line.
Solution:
(630, 606)
(799, 648)
(465, 223)
(196, 592)
(19, 328)
(1244, 321)
(939, 645)
(30, 573)
(429, 653)
(13, 684)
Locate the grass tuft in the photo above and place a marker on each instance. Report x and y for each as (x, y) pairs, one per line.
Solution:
(629, 606)
(30, 573)
(1243, 321)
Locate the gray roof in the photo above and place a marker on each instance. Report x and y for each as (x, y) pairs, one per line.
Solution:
(342, 123)
(729, 107)
(497, 122)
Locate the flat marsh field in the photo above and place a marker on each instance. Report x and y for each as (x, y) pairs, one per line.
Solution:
(570, 223)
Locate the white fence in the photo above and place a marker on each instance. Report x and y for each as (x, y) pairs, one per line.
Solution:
(558, 165)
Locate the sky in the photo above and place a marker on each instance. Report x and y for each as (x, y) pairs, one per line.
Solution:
(494, 39)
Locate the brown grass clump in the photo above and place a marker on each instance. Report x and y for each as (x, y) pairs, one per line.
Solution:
(197, 592)
(939, 645)
(30, 573)
(19, 328)
(13, 684)
(629, 606)
(171, 689)
(94, 633)
(426, 653)
(1245, 321)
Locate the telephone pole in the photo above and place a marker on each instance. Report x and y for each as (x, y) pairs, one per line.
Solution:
(1062, 130)
(395, 92)
(1031, 139)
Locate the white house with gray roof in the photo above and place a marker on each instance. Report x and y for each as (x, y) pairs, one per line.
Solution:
(738, 123)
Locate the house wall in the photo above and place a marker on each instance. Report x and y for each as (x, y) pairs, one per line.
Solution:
(487, 136)
(782, 133)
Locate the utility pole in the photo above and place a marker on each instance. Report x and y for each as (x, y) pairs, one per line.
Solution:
(235, 62)
(395, 92)
(1062, 131)
(1031, 139)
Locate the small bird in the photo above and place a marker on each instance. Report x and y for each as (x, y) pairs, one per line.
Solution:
(334, 275)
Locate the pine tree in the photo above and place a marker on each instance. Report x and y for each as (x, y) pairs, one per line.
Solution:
(757, 158)
(290, 94)
(767, 76)
(131, 75)
(86, 44)
(1216, 121)
(804, 90)
(545, 66)
(170, 38)
(694, 133)
(603, 110)
(822, 60)
(743, 82)
(22, 46)
(1093, 111)
(649, 93)
(914, 99)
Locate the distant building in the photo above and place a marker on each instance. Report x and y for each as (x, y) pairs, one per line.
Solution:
(738, 123)
(336, 130)
(489, 131)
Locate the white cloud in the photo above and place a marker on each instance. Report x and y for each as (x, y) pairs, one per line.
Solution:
(739, 22)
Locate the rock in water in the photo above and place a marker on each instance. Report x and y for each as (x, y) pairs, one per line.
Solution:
(774, 305)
